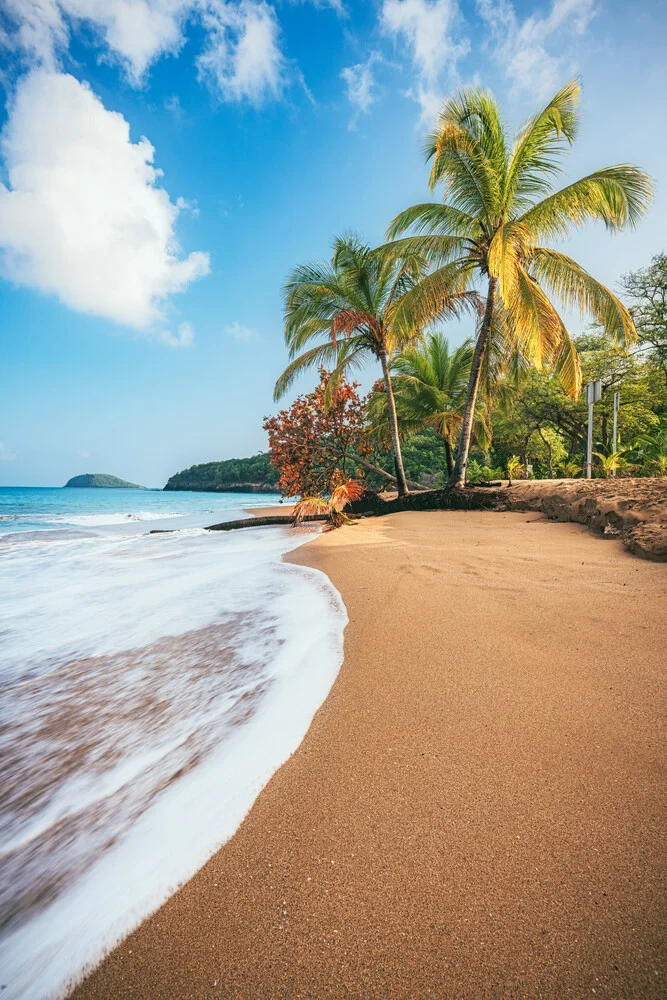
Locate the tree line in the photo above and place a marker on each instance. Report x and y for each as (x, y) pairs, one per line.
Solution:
(513, 391)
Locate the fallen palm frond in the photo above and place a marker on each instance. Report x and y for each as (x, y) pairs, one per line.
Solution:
(331, 508)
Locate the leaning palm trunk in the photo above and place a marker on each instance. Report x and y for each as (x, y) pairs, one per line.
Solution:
(401, 484)
(458, 476)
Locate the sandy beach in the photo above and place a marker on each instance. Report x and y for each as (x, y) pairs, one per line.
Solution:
(477, 810)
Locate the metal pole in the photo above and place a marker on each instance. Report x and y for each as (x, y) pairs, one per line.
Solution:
(617, 403)
(589, 443)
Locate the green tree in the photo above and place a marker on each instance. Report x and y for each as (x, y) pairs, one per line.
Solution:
(536, 405)
(646, 290)
(499, 207)
(429, 382)
(348, 306)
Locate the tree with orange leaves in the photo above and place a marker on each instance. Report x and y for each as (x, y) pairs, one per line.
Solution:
(315, 444)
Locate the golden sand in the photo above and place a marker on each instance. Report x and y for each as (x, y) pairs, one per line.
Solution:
(477, 810)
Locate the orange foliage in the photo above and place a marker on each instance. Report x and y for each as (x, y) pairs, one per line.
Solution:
(314, 448)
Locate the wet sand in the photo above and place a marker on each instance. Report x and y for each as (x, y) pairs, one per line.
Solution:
(477, 809)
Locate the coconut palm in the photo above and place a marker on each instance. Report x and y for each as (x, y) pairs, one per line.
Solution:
(347, 306)
(499, 206)
(429, 382)
(570, 469)
(514, 468)
(612, 462)
(652, 449)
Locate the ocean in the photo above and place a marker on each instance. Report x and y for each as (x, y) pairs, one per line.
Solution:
(150, 685)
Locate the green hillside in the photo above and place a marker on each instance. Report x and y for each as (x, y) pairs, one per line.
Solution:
(99, 480)
(235, 475)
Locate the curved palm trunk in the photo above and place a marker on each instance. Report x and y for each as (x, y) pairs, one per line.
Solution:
(449, 456)
(458, 477)
(401, 484)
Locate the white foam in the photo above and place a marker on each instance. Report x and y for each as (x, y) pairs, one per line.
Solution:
(87, 597)
(96, 520)
(99, 595)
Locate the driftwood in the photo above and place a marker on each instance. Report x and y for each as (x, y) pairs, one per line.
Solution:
(259, 522)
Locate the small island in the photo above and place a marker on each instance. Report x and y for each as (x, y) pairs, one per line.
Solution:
(101, 480)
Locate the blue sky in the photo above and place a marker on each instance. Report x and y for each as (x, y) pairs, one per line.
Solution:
(140, 315)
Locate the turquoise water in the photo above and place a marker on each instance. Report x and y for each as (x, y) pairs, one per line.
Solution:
(35, 508)
(150, 685)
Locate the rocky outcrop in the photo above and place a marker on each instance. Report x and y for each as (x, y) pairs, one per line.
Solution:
(225, 487)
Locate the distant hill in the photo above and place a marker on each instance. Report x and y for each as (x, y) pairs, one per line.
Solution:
(101, 480)
(236, 475)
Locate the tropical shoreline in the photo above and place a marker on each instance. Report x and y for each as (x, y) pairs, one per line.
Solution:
(475, 809)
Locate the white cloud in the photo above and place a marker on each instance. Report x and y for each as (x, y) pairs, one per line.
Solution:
(136, 32)
(82, 453)
(5, 455)
(521, 47)
(336, 5)
(83, 217)
(241, 57)
(239, 332)
(360, 83)
(430, 28)
(184, 338)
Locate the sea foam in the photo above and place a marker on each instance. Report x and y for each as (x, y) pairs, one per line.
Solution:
(152, 686)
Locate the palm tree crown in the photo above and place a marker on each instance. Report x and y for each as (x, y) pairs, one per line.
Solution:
(347, 307)
(499, 207)
(429, 381)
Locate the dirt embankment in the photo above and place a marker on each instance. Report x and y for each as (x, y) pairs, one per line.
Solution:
(633, 510)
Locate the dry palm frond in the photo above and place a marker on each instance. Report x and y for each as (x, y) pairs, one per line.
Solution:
(345, 493)
(309, 506)
(341, 495)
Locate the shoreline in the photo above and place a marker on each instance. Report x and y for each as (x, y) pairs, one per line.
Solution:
(475, 810)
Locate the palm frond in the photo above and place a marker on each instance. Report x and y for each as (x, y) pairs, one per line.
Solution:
(467, 149)
(440, 295)
(345, 493)
(576, 288)
(539, 147)
(309, 506)
(618, 196)
(324, 355)
(434, 218)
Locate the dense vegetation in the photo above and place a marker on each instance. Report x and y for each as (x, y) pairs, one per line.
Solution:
(508, 402)
(255, 474)
(484, 247)
(101, 479)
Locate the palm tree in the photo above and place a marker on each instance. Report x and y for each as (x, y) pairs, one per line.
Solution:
(514, 467)
(499, 206)
(348, 306)
(429, 383)
(652, 448)
(570, 469)
(612, 462)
